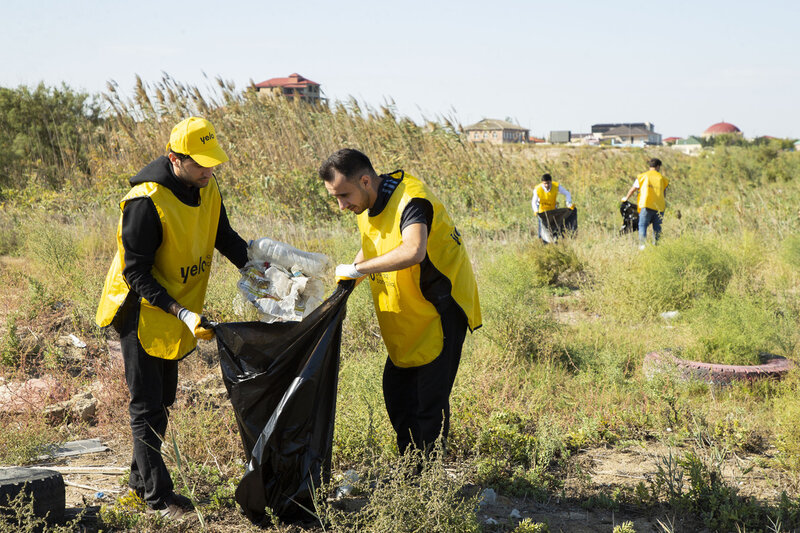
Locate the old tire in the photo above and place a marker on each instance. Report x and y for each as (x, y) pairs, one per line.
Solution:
(46, 487)
(775, 367)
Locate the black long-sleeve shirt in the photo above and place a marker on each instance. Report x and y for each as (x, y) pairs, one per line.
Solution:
(142, 234)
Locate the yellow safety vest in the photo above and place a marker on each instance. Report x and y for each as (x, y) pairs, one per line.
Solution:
(182, 266)
(410, 325)
(547, 199)
(651, 190)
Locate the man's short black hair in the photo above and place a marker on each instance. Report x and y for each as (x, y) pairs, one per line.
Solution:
(349, 162)
(547, 177)
(180, 156)
(654, 163)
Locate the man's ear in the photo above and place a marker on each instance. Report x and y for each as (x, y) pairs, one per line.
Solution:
(365, 180)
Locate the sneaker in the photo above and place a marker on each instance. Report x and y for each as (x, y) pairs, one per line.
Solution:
(174, 507)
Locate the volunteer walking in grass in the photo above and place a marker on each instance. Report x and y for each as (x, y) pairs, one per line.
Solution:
(171, 221)
(652, 187)
(544, 198)
(423, 289)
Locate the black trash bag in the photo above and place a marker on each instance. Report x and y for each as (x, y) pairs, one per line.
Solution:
(282, 381)
(557, 222)
(630, 217)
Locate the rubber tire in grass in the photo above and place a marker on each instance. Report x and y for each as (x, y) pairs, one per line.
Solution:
(46, 487)
(775, 367)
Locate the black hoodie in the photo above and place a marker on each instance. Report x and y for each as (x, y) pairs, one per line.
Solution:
(141, 233)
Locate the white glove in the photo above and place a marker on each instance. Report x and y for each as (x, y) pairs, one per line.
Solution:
(624, 199)
(197, 324)
(347, 271)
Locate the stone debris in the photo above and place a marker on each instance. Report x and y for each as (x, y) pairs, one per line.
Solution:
(80, 408)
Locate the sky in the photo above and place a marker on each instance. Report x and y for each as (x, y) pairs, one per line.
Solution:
(544, 65)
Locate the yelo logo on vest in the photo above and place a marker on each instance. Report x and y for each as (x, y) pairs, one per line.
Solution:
(194, 270)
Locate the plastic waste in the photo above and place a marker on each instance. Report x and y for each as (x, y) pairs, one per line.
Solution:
(282, 379)
(346, 488)
(280, 281)
(488, 497)
(287, 256)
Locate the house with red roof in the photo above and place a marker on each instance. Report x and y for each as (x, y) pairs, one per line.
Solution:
(294, 86)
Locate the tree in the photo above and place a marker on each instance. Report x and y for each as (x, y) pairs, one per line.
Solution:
(46, 134)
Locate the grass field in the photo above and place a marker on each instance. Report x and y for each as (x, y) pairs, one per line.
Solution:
(550, 403)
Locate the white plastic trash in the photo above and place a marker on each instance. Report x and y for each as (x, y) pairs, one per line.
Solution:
(282, 282)
(287, 256)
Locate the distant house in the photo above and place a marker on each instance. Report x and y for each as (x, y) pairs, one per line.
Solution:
(295, 86)
(631, 135)
(671, 140)
(495, 131)
(689, 146)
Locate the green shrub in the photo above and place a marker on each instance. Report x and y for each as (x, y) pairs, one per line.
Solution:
(514, 454)
(733, 330)
(400, 500)
(556, 265)
(515, 311)
(787, 431)
(526, 525)
(670, 276)
(790, 250)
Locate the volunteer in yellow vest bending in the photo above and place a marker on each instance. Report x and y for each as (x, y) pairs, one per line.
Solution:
(544, 197)
(422, 284)
(652, 187)
(171, 220)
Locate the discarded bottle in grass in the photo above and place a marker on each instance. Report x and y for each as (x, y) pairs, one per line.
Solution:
(287, 256)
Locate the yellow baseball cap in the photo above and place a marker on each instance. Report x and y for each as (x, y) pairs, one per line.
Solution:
(196, 138)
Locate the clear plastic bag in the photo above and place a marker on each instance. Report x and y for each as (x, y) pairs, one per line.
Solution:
(280, 281)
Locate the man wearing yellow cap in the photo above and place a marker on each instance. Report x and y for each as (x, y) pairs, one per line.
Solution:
(423, 289)
(172, 220)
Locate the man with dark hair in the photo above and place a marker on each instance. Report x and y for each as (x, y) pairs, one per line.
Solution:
(544, 199)
(423, 289)
(172, 220)
(652, 187)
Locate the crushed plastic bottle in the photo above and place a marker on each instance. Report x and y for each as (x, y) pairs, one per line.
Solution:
(292, 259)
(281, 281)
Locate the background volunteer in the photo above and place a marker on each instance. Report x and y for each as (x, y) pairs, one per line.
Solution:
(172, 220)
(423, 289)
(545, 195)
(652, 187)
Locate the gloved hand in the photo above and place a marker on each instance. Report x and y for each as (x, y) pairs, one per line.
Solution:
(200, 327)
(570, 206)
(347, 271)
(624, 199)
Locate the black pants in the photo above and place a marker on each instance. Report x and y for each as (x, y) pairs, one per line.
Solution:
(152, 383)
(418, 398)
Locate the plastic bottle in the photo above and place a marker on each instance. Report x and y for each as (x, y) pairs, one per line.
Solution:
(287, 256)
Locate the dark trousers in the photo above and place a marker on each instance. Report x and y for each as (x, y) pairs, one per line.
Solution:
(152, 383)
(418, 398)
